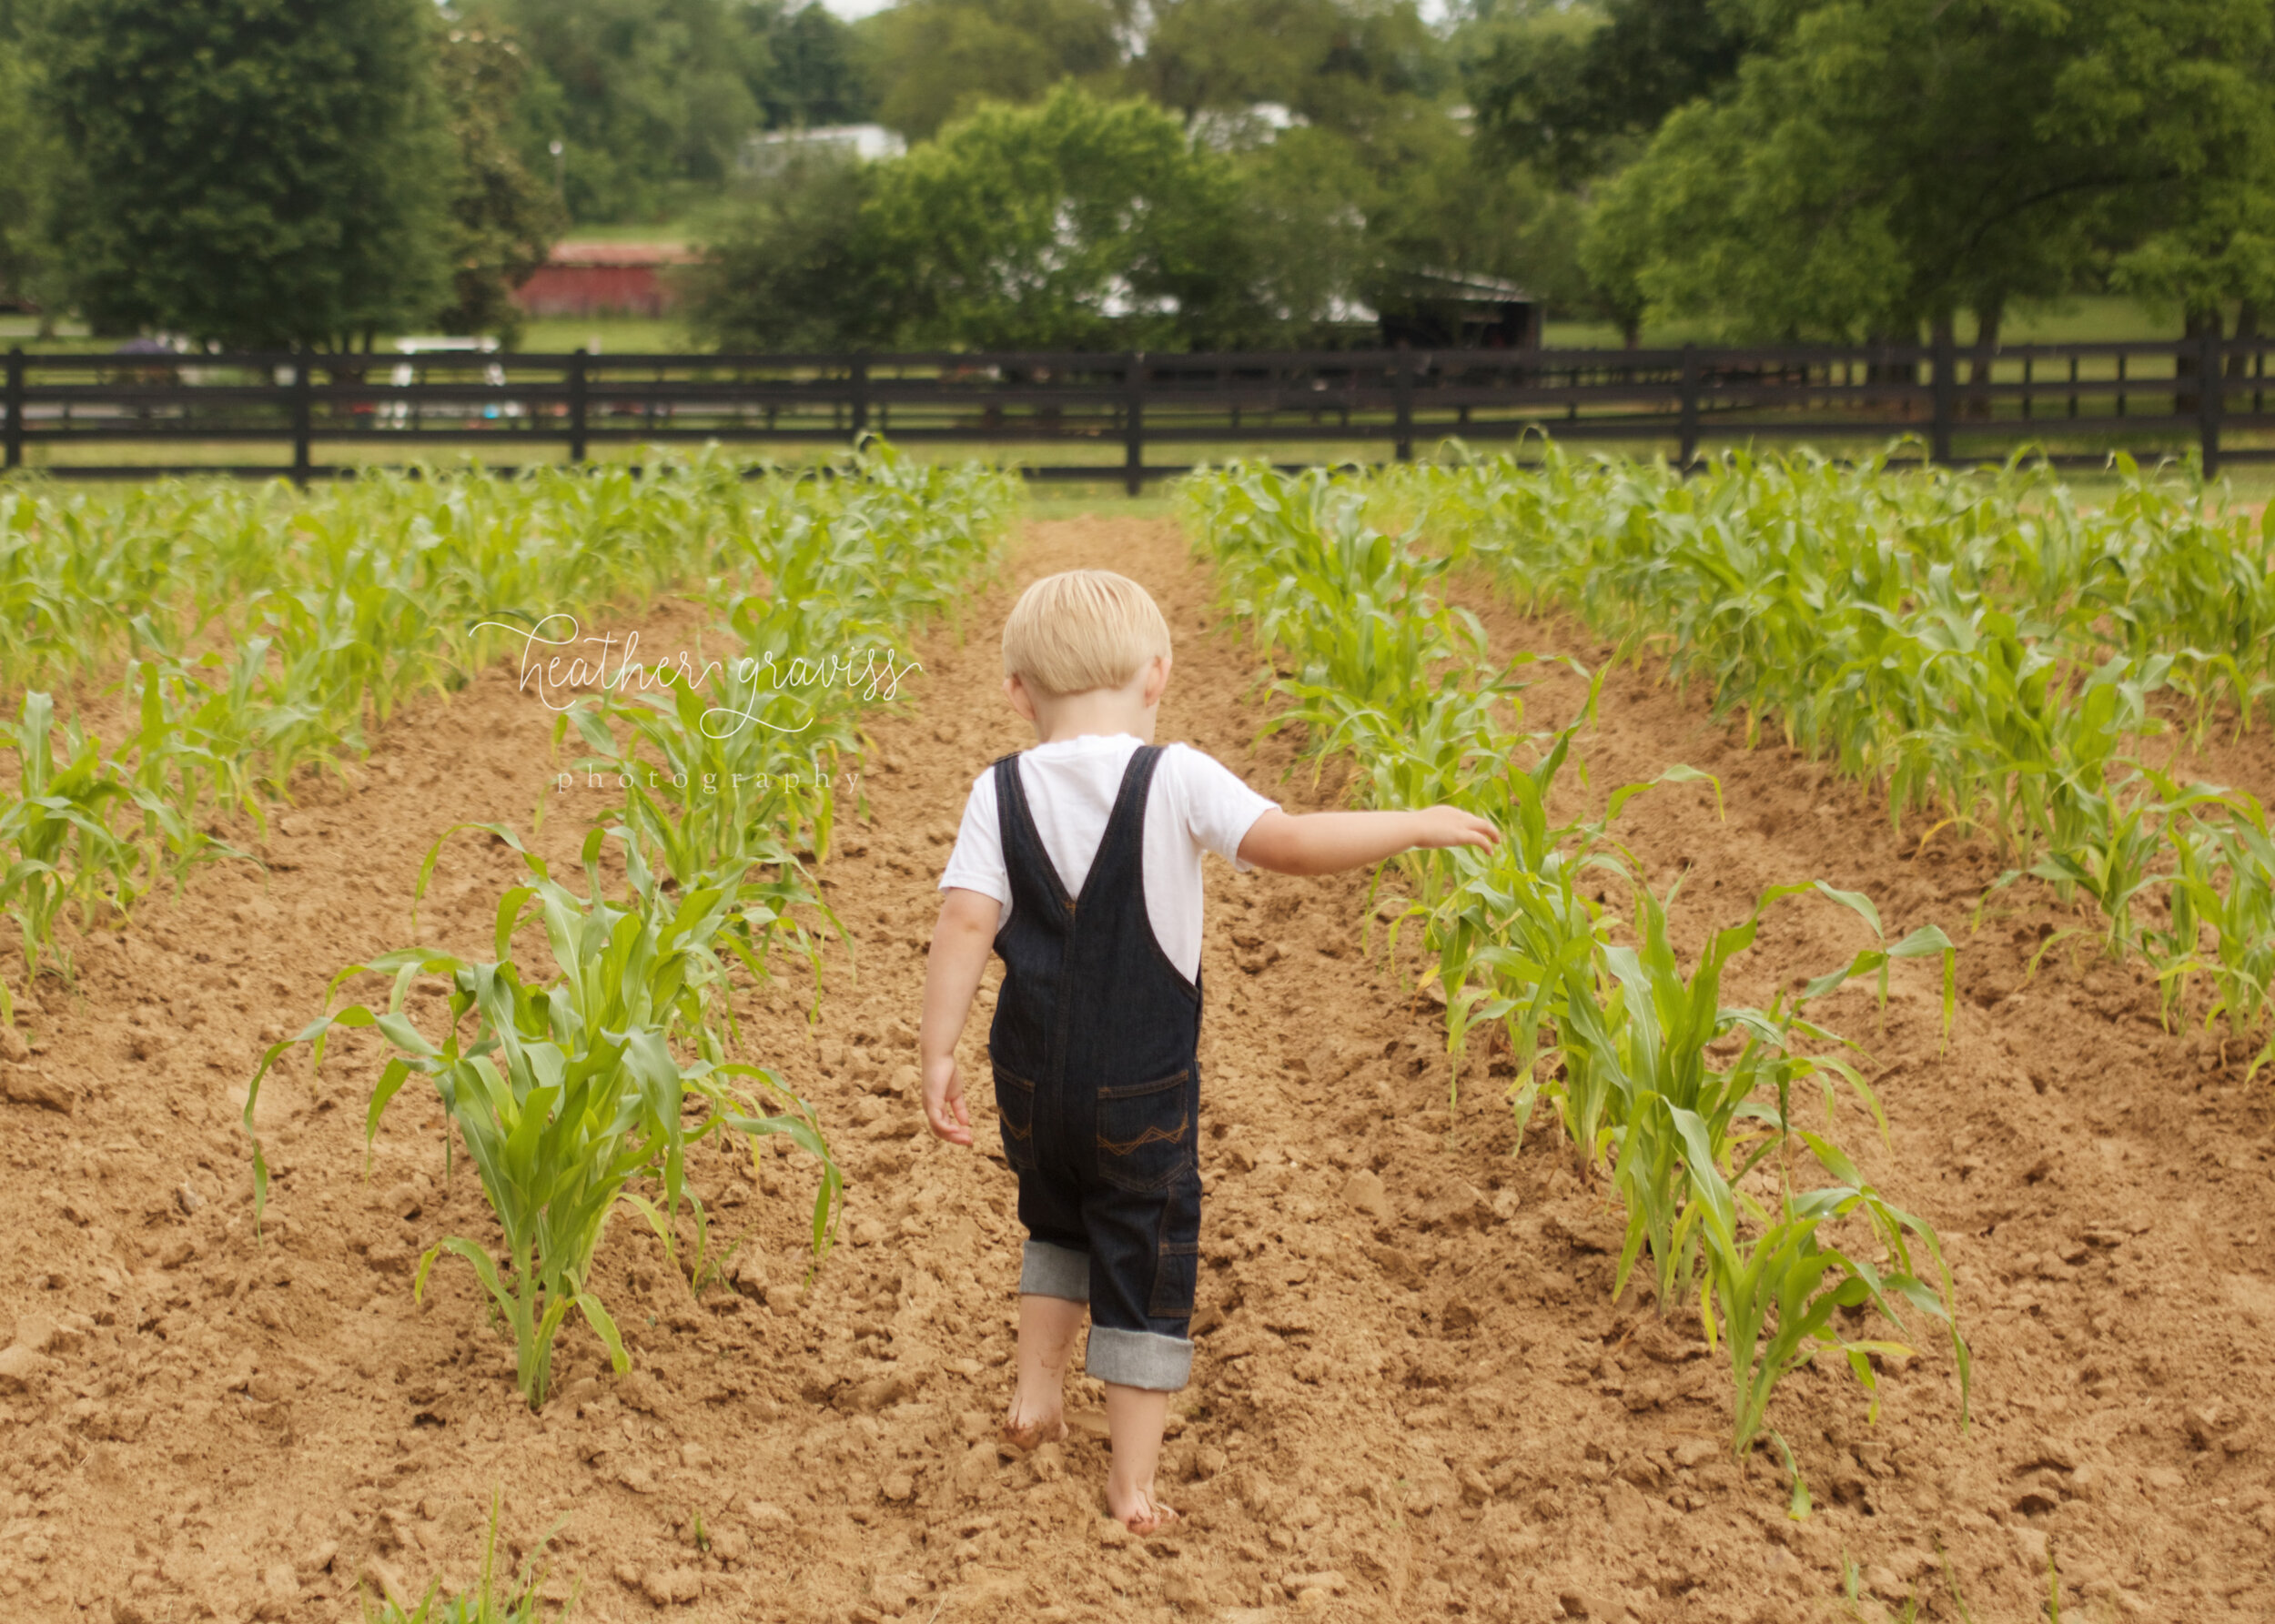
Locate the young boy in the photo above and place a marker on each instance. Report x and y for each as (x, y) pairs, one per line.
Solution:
(1079, 862)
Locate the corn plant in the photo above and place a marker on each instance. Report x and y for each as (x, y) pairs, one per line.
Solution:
(1980, 646)
(2224, 887)
(57, 830)
(374, 590)
(197, 735)
(571, 1092)
(272, 628)
(1772, 1287)
(736, 770)
(1513, 931)
(493, 1600)
(1516, 934)
(2117, 842)
(181, 767)
(740, 766)
(1661, 1070)
(1519, 935)
(728, 801)
(1384, 673)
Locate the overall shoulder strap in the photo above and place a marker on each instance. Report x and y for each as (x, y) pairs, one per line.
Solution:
(1126, 824)
(1035, 880)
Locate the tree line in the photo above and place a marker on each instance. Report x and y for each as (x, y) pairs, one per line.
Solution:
(1175, 174)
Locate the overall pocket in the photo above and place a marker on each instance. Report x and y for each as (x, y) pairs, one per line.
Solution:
(1146, 1132)
(1177, 1255)
(1015, 1110)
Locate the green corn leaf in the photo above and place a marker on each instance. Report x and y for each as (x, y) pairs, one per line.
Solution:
(597, 1316)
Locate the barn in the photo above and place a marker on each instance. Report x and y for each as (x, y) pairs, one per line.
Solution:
(604, 278)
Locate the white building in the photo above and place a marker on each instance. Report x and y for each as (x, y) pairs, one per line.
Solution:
(769, 152)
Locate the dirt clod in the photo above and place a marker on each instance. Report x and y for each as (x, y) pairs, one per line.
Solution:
(1363, 1193)
(20, 1368)
(31, 1085)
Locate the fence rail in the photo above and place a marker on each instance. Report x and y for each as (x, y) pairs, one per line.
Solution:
(2078, 399)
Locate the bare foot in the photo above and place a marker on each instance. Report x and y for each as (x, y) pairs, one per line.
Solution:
(1137, 1511)
(1032, 1432)
(1134, 1420)
(1046, 1334)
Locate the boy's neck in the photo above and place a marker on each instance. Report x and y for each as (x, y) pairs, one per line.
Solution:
(1101, 714)
(1097, 713)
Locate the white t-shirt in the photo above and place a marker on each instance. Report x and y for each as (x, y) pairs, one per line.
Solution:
(1197, 805)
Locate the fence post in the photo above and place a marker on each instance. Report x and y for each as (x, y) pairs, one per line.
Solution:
(576, 405)
(303, 414)
(1939, 396)
(16, 406)
(1402, 384)
(1134, 424)
(1690, 403)
(2209, 383)
(859, 384)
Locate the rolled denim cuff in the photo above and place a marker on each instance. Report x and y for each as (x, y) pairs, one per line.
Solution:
(1048, 1271)
(1139, 1358)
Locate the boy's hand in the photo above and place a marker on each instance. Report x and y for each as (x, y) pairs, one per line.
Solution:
(1437, 827)
(943, 1101)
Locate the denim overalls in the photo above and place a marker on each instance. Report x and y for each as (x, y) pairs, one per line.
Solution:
(1099, 1088)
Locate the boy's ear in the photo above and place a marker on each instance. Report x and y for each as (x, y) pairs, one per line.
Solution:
(1021, 699)
(1157, 682)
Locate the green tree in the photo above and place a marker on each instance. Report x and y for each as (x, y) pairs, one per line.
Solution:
(1380, 178)
(1615, 245)
(2204, 242)
(504, 219)
(648, 99)
(1576, 89)
(1893, 162)
(256, 172)
(1444, 207)
(652, 99)
(1306, 199)
(933, 61)
(1343, 64)
(26, 269)
(812, 74)
(2204, 259)
(1077, 224)
(1334, 223)
(1074, 224)
(794, 265)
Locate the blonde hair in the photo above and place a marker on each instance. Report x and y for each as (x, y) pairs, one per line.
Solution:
(1081, 629)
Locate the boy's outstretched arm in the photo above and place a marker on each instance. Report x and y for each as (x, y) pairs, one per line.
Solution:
(961, 941)
(1325, 842)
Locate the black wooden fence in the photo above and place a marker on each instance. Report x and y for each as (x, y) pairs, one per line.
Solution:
(1099, 413)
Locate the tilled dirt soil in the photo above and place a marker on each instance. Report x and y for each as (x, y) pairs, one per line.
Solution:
(1414, 1398)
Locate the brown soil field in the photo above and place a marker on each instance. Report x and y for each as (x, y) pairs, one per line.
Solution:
(1415, 1396)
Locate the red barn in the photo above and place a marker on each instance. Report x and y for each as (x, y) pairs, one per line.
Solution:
(589, 279)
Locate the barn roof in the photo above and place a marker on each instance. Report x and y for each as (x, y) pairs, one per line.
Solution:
(616, 255)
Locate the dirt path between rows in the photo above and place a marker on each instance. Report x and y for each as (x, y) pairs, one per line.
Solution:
(1414, 1397)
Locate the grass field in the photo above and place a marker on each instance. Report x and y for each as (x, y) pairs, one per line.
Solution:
(2084, 319)
(2088, 318)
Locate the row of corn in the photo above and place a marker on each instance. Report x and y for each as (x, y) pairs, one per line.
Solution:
(1685, 1106)
(1992, 654)
(278, 629)
(257, 633)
